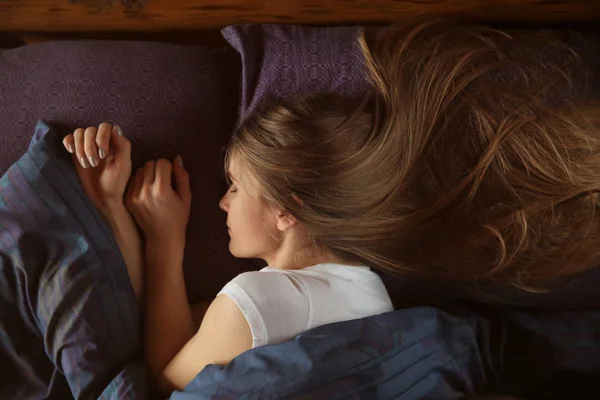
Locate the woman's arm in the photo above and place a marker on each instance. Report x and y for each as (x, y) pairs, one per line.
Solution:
(168, 324)
(175, 351)
(129, 240)
(199, 311)
(224, 334)
(102, 160)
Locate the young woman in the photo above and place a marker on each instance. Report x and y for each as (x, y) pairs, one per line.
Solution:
(476, 159)
(304, 285)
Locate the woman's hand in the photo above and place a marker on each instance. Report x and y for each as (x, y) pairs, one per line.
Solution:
(161, 212)
(102, 160)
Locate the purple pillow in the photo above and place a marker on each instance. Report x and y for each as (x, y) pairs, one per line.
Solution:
(169, 100)
(280, 61)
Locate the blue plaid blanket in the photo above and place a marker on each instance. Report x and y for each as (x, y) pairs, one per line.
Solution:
(69, 323)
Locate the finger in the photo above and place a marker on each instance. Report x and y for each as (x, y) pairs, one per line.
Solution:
(139, 180)
(135, 185)
(91, 151)
(103, 139)
(121, 146)
(129, 191)
(69, 143)
(133, 191)
(149, 173)
(182, 180)
(163, 173)
(78, 137)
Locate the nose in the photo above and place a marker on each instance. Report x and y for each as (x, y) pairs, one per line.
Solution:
(224, 204)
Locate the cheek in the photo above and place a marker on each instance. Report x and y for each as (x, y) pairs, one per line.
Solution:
(252, 232)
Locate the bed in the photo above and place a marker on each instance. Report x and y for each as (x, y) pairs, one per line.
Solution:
(77, 63)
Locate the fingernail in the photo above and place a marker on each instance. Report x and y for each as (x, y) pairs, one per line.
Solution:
(180, 160)
(93, 161)
(83, 162)
(102, 153)
(70, 148)
(118, 130)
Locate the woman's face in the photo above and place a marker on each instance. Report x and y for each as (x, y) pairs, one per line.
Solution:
(252, 223)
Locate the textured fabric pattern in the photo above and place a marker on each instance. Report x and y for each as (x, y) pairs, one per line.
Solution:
(419, 353)
(281, 61)
(69, 320)
(169, 99)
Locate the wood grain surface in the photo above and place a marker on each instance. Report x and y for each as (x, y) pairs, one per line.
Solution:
(158, 15)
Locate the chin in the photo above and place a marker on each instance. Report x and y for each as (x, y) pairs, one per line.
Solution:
(239, 253)
(234, 251)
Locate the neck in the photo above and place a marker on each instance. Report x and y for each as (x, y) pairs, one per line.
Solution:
(288, 256)
(297, 262)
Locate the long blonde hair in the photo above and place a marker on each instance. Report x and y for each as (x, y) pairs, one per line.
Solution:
(476, 158)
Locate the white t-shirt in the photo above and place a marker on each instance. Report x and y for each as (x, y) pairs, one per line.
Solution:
(280, 304)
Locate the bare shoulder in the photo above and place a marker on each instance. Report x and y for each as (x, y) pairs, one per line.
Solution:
(223, 316)
(223, 335)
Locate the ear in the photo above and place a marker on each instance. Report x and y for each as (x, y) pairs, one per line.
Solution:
(285, 220)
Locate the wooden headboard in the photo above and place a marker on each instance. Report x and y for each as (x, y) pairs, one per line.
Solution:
(162, 15)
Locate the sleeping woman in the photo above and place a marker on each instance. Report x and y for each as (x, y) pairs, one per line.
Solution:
(475, 160)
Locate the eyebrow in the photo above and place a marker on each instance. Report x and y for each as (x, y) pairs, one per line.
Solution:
(230, 176)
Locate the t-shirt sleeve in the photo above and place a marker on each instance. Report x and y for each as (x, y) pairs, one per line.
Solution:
(275, 305)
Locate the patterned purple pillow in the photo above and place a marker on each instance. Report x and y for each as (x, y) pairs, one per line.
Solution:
(280, 61)
(169, 100)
